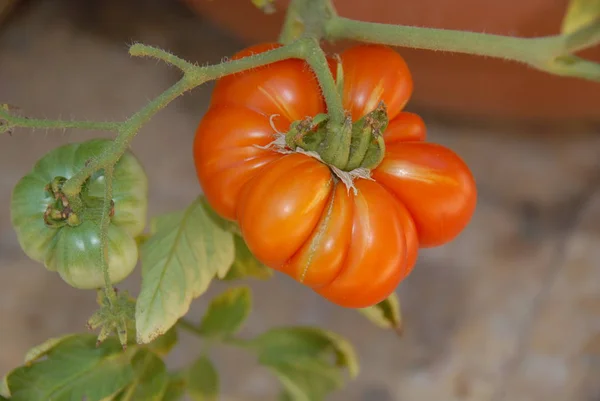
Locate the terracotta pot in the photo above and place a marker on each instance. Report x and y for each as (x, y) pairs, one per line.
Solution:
(453, 84)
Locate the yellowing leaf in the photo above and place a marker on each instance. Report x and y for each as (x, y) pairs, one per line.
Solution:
(579, 14)
(306, 360)
(178, 263)
(386, 314)
(306, 379)
(245, 264)
(226, 313)
(40, 350)
(74, 369)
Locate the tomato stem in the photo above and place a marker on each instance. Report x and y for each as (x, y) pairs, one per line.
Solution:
(306, 18)
(104, 224)
(315, 57)
(543, 53)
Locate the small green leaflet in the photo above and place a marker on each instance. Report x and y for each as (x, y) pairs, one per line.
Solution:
(74, 369)
(163, 344)
(175, 387)
(225, 224)
(306, 379)
(185, 253)
(293, 343)
(150, 378)
(306, 360)
(386, 314)
(580, 14)
(245, 264)
(226, 313)
(39, 351)
(203, 381)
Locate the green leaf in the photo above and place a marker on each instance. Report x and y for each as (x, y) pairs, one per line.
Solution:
(306, 379)
(74, 369)
(225, 224)
(580, 14)
(203, 381)
(150, 381)
(163, 344)
(226, 313)
(176, 386)
(39, 351)
(245, 264)
(386, 314)
(4, 391)
(294, 343)
(306, 360)
(178, 263)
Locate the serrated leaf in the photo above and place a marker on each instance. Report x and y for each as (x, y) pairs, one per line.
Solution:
(386, 314)
(295, 343)
(39, 351)
(150, 378)
(176, 386)
(178, 263)
(307, 379)
(579, 14)
(163, 344)
(245, 264)
(75, 369)
(226, 313)
(203, 380)
(225, 224)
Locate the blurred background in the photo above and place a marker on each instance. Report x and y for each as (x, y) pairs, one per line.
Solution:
(510, 311)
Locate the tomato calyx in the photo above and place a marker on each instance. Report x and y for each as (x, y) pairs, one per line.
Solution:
(116, 314)
(347, 147)
(367, 147)
(70, 211)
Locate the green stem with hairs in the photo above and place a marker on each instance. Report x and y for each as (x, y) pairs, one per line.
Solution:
(543, 53)
(104, 224)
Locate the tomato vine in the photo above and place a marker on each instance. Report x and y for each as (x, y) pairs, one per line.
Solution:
(347, 144)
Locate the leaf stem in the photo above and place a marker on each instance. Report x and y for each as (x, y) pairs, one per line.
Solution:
(190, 327)
(315, 57)
(104, 225)
(12, 120)
(506, 47)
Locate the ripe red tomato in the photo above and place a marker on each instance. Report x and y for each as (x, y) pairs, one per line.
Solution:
(295, 216)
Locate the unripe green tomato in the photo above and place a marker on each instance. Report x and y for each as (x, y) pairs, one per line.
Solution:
(73, 248)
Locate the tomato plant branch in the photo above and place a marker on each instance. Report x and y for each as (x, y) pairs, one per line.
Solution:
(9, 121)
(104, 224)
(540, 53)
(188, 326)
(306, 18)
(315, 57)
(307, 49)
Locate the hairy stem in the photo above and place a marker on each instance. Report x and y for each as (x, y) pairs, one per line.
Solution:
(12, 120)
(506, 47)
(104, 225)
(543, 53)
(315, 57)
